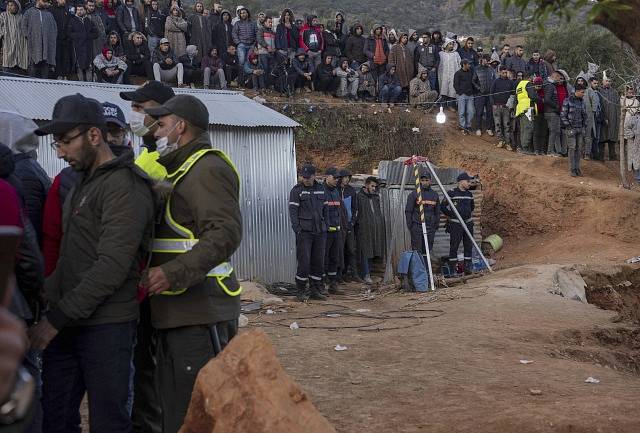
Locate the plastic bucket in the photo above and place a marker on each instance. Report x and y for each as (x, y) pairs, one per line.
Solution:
(493, 241)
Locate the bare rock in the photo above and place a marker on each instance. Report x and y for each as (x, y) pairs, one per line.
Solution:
(253, 291)
(570, 284)
(245, 389)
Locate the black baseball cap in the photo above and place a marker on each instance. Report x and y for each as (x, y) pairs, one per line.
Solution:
(186, 107)
(425, 175)
(464, 176)
(307, 171)
(332, 171)
(150, 91)
(114, 114)
(72, 111)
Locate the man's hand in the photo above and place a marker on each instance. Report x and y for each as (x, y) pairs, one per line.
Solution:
(168, 61)
(157, 281)
(41, 334)
(13, 345)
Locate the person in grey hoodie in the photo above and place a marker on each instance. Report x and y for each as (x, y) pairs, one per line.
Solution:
(244, 36)
(486, 76)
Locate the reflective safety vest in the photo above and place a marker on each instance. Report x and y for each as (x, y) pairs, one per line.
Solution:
(168, 248)
(148, 162)
(524, 102)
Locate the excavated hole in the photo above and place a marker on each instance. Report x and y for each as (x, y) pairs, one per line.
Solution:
(617, 348)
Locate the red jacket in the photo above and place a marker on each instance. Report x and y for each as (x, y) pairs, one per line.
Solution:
(52, 228)
(10, 205)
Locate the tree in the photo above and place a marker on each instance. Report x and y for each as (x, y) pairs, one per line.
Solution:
(621, 17)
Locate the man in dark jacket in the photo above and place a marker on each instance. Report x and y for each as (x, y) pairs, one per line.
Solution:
(287, 36)
(333, 220)
(192, 64)
(304, 71)
(222, 33)
(128, 19)
(195, 302)
(348, 194)
(501, 90)
(555, 92)
(467, 52)
(536, 66)
(64, 61)
(154, 20)
(326, 80)
(354, 47)
(466, 84)
(17, 133)
(430, 203)
(312, 41)
(389, 88)
(138, 58)
(517, 61)
(244, 37)
(574, 123)
(463, 200)
(369, 227)
(308, 213)
(231, 65)
(92, 291)
(377, 51)
(426, 58)
(486, 76)
(82, 33)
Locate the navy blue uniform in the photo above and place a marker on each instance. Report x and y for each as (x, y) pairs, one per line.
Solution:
(463, 201)
(308, 211)
(349, 200)
(431, 206)
(334, 235)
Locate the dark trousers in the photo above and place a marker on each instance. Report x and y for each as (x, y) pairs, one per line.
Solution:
(327, 85)
(231, 73)
(417, 239)
(194, 76)
(92, 359)
(349, 257)
(39, 70)
(540, 132)
(180, 354)
(144, 69)
(457, 235)
(483, 110)
(146, 408)
(310, 249)
(332, 254)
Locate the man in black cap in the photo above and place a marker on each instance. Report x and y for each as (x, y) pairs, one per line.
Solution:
(462, 198)
(348, 194)
(195, 296)
(116, 126)
(332, 259)
(308, 211)
(430, 202)
(92, 292)
(146, 408)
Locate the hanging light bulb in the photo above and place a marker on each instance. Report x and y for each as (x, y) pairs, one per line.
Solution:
(441, 117)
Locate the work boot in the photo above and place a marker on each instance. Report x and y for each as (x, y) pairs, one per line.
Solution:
(316, 291)
(303, 291)
(367, 279)
(333, 287)
(468, 267)
(490, 132)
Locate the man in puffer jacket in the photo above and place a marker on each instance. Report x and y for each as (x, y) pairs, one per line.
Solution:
(312, 40)
(574, 121)
(486, 76)
(244, 36)
(17, 133)
(354, 47)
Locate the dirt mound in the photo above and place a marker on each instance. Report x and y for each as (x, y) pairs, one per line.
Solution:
(246, 390)
(616, 290)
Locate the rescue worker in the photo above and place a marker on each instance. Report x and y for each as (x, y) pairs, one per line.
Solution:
(151, 94)
(462, 199)
(87, 335)
(348, 194)
(194, 293)
(307, 211)
(526, 111)
(146, 414)
(334, 229)
(431, 205)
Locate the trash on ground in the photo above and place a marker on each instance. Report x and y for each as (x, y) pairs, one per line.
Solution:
(270, 311)
(416, 130)
(591, 380)
(294, 326)
(339, 348)
(633, 260)
(334, 315)
(535, 391)
(363, 310)
(525, 361)
(243, 321)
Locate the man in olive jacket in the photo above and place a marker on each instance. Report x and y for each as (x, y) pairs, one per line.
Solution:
(195, 302)
(87, 335)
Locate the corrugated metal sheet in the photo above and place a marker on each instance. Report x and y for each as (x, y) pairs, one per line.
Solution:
(35, 99)
(393, 210)
(391, 172)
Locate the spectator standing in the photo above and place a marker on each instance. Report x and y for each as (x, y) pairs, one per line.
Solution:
(348, 194)
(82, 33)
(369, 226)
(466, 51)
(40, 29)
(266, 39)
(466, 84)
(436, 39)
(287, 36)
(244, 36)
(594, 117)
(574, 122)
(413, 42)
(223, 32)
(110, 69)
(449, 64)
(128, 19)
(213, 66)
(402, 58)
(550, 58)
(175, 30)
(420, 91)
(367, 89)
(354, 47)
(526, 111)
(154, 22)
(501, 90)
(555, 91)
(192, 65)
(540, 130)
(517, 62)
(632, 137)
(483, 108)
(215, 17)
(536, 66)
(333, 219)
(426, 58)
(200, 30)
(109, 8)
(138, 57)
(14, 44)
(377, 50)
(389, 88)
(98, 23)
(611, 118)
(166, 67)
(312, 41)
(64, 46)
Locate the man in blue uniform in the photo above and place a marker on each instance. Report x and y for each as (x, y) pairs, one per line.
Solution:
(431, 205)
(307, 211)
(349, 199)
(334, 235)
(462, 198)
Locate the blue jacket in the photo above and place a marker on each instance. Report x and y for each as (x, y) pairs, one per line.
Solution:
(35, 186)
(334, 206)
(307, 208)
(464, 203)
(282, 43)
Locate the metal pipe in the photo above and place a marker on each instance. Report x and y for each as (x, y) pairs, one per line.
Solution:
(462, 222)
(425, 236)
(388, 270)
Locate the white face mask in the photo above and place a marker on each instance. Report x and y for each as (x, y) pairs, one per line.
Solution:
(136, 121)
(162, 144)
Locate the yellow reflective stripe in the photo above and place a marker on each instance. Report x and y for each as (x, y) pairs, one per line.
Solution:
(220, 272)
(226, 289)
(173, 292)
(173, 245)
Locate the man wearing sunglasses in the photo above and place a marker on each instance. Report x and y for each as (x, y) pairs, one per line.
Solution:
(92, 291)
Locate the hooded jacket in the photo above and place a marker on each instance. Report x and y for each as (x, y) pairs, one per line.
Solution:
(387, 79)
(311, 37)
(117, 48)
(222, 33)
(107, 229)
(159, 57)
(573, 114)
(302, 67)
(138, 54)
(449, 64)
(14, 52)
(486, 76)
(355, 45)
(17, 133)
(124, 17)
(402, 57)
(331, 43)
(287, 38)
(155, 21)
(244, 31)
(82, 33)
(370, 46)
